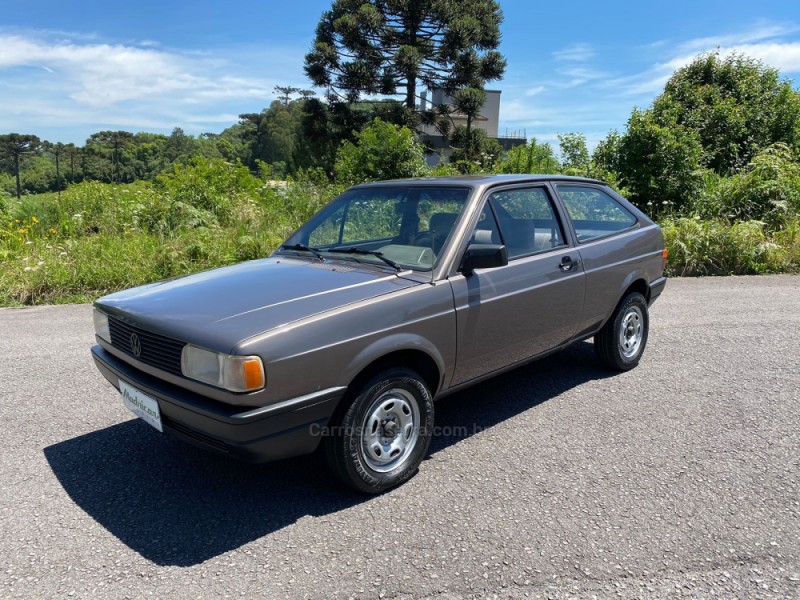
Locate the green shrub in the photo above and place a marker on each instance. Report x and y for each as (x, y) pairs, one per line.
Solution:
(381, 151)
(698, 247)
(768, 189)
(77, 270)
(208, 190)
(90, 207)
(98, 238)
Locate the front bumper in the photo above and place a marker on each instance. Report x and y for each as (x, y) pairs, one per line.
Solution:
(255, 435)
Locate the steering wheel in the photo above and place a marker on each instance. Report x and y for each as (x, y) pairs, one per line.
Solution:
(423, 239)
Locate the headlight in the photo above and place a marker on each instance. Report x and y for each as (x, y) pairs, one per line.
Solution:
(234, 373)
(101, 325)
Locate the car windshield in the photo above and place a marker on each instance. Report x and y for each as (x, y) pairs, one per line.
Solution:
(402, 226)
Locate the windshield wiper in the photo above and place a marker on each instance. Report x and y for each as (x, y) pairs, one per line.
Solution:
(303, 248)
(356, 250)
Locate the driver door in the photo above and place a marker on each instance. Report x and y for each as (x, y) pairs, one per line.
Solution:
(508, 314)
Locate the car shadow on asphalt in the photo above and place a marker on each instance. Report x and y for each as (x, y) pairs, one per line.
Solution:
(178, 505)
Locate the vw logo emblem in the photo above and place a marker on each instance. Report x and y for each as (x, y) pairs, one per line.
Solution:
(136, 345)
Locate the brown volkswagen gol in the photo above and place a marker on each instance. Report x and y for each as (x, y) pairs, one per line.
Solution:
(394, 294)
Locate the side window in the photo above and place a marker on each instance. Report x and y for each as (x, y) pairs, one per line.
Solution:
(486, 230)
(594, 213)
(527, 221)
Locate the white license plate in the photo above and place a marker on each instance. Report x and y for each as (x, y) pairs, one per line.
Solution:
(143, 406)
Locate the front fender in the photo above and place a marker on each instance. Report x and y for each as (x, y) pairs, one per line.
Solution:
(382, 347)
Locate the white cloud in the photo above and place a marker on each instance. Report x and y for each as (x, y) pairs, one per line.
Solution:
(138, 84)
(574, 52)
(568, 77)
(580, 75)
(564, 117)
(649, 82)
(760, 32)
(781, 55)
(100, 75)
(592, 100)
(784, 56)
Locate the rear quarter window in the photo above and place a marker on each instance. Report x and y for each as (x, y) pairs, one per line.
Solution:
(594, 214)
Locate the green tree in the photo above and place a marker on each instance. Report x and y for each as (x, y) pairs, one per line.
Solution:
(605, 157)
(381, 151)
(736, 105)
(146, 155)
(275, 136)
(285, 93)
(473, 150)
(180, 147)
(468, 144)
(73, 154)
(660, 163)
(715, 114)
(321, 134)
(107, 159)
(392, 47)
(326, 125)
(38, 175)
(233, 143)
(14, 146)
(574, 154)
(57, 151)
(530, 158)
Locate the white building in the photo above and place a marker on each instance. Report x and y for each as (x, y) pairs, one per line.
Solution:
(488, 120)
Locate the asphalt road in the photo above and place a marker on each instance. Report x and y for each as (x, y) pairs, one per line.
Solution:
(678, 479)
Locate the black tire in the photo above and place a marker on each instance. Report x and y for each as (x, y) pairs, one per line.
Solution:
(614, 348)
(356, 460)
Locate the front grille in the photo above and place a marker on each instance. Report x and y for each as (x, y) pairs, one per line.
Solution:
(155, 350)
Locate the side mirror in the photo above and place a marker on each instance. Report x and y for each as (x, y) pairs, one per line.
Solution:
(483, 256)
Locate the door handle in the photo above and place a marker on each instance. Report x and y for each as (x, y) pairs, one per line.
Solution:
(567, 264)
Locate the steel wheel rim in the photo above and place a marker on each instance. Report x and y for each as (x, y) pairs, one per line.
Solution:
(631, 332)
(390, 430)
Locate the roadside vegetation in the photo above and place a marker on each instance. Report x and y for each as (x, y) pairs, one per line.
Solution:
(99, 237)
(715, 160)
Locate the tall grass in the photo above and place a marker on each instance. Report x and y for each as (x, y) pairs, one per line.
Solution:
(716, 247)
(747, 223)
(98, 238)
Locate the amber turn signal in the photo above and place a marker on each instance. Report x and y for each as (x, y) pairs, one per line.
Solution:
(253, 373)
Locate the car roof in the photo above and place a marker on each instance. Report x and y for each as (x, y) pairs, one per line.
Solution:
(475, 181)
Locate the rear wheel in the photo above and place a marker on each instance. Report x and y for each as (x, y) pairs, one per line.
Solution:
(620, 343)
(379, 438)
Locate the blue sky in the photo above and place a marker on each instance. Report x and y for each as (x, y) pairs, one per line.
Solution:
(68, 69)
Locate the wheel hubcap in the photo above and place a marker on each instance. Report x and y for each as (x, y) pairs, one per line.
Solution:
(631, 331)
(390, 430)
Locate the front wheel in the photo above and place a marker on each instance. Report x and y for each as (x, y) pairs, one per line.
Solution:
(620, 343)
(379, 438)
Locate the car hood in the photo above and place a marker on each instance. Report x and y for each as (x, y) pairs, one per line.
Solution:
(220, 308)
